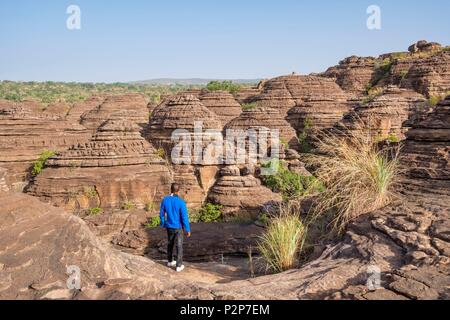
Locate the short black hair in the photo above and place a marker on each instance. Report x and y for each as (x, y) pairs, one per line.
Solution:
(174, 188)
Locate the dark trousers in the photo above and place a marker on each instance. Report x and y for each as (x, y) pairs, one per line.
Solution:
(175, 237)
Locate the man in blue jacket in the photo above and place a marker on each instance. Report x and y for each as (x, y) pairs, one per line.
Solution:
(174, 218)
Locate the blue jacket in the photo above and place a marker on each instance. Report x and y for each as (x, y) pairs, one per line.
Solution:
(174, 214)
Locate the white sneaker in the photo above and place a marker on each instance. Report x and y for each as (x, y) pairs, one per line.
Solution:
(171, 264)
(179, 269)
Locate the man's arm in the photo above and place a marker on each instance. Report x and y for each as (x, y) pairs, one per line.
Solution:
(162, 212)
(185, 219)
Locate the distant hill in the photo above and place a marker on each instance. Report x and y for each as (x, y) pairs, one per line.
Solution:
(192, 82)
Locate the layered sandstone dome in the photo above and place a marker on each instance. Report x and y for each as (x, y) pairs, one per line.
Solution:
(180, 113)
(284, 93)
(222, 103)
(320, 110)
(137, 103)
(264, 119)
(426, 154)
(80, 108)
(115, 167)
(25, 134)
(241, 194)
(353, 74)
(387, 114)
(246, 94)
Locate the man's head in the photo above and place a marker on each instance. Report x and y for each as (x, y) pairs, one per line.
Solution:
(175, 188)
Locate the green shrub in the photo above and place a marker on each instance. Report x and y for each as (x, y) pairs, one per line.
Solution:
(434, 100)
(291, 185)
(223, 86)
(283, 240)
(39, 164)
(95, 211)
(153, 222)
(208, 213)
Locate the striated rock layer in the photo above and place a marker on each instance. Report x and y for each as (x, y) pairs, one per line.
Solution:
(241, 195)
(222, 104)
(80, 108)
(261, 119)
(284, 93)
(136, 103)
(426, 154)
(353, 74)
(386, 115)
(116, 168)
(25, 134)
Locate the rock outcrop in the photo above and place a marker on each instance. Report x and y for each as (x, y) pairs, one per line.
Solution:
(41, 247)
(353, 74)
(241, 195)
(136, 103)
(222, 104)
(116, 168)
(426, 154)
(319, 111)
(80, 108)
(263, 120)
(25, 134)
(386, 115)
(180, 113)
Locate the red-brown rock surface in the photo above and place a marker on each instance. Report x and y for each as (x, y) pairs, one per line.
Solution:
(222, 104)
(241, 195)
(261, 119)
(426, 154)
(80, 108)
(179, 113)
(136, 103)
(25, 134)
(116, 168)
(387, 114)
(353, 74)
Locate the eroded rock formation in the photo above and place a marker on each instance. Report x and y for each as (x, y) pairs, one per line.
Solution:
(386, 115)
(241, 195)
(116, 168)
(222, 104)
(136, 103)
(353, 74)
(25, 134)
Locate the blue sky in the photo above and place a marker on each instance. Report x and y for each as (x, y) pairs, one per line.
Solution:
(140, 39)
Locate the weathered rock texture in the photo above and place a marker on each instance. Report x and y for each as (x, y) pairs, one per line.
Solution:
(38, 243)
(246, 95)
(319, 111)
(25, 134)
(353, 74)
(3, 185)
(284, 93)
(80, 108)
(241, 194)
(208, 241)
(222, 104)
(263, 120)
(180, 113)
(116, 168)
(387, 114)
(426, 154)
(136, 103)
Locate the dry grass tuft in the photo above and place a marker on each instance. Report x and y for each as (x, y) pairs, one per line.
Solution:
(357, 175)
(283, 240)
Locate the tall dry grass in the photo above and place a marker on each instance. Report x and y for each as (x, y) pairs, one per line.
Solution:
(283, 239)
(358, 176)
